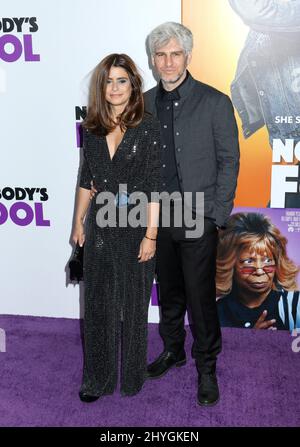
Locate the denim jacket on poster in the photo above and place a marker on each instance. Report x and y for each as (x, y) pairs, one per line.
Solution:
(267, 79)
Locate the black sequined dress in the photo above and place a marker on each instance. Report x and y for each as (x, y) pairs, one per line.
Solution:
(117, 287)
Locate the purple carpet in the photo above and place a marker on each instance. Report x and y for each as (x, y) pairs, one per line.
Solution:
(259, 378)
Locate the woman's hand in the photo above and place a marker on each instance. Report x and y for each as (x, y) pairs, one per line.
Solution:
(78, 233)
(262, 323)
(147, 250)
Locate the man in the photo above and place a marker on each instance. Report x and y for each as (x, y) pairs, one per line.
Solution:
(200, 154)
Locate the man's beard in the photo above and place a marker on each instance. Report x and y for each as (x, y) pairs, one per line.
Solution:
(173, 81)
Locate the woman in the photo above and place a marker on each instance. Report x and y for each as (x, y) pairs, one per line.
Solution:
(121, 146)
(255, 276)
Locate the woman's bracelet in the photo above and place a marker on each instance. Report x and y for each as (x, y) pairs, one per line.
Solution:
(150, 238)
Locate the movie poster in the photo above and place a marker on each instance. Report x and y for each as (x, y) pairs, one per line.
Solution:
(250, 50)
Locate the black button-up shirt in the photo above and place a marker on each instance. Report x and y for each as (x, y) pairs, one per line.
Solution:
(164, 106)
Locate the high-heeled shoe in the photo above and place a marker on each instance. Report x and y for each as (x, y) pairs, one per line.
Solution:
(85, 397)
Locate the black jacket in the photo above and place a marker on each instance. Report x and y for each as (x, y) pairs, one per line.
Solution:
(206, 145)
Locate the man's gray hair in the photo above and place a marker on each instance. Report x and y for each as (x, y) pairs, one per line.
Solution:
(163, 33)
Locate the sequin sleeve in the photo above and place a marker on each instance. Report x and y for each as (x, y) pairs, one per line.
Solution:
(153, 178)
(85, 174)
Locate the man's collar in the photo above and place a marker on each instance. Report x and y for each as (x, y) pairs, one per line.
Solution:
(166, 95)
(179, 92)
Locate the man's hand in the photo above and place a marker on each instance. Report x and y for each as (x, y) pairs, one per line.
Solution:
(92, 190)
(262, 323)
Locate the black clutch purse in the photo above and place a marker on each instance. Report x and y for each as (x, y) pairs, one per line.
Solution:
(76, 264)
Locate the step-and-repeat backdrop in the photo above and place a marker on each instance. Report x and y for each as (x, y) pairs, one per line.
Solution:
(47, 52)
(249, 50)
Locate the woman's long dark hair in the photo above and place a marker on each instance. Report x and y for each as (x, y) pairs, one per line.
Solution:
(99, 117)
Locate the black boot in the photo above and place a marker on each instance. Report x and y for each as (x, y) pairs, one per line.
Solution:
(208, 390)
(164, 362)
(84, 397)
